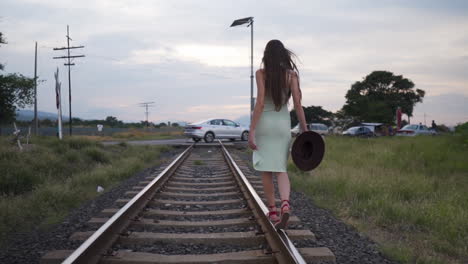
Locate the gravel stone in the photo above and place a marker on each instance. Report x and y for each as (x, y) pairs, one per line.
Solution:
(189, 248)
(210, 229)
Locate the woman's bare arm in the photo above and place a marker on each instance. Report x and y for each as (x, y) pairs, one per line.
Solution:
(258, 109)
(297, 97)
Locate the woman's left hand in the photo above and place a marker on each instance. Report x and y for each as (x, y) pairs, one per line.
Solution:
(252, 144)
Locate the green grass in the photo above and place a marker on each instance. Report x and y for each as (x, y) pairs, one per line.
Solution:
(410, 194)
(39, 186)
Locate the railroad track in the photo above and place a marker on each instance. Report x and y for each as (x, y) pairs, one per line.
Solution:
(201, 208)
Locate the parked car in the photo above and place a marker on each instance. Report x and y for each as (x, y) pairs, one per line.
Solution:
(211, 129)
(358, 131)
(316, 127)
(414, 130)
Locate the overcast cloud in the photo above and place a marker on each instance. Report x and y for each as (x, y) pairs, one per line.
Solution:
(184, 56)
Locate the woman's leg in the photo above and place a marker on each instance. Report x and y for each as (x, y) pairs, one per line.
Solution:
(284, 186)
(284, 190)
(268, 188)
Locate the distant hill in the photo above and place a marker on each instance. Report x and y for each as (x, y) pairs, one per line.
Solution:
(28, 115)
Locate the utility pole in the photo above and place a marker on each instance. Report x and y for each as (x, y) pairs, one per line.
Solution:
(69, 64)
(146, 105)
(36, 122)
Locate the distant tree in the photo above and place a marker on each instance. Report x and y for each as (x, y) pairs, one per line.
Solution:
(462, 128)
(2, 41)
(377, 97)
(47, 123)
(443, 128)
(404, 123)
(313, 114)
(461, 131)
(162, 124)
(75, 121)
(341, 120)
(175, 124)
(16, 90)
(112, 121)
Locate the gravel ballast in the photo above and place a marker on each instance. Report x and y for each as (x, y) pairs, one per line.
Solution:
(206, 172)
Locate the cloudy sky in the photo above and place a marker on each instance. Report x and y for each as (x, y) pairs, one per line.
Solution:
(183, 55)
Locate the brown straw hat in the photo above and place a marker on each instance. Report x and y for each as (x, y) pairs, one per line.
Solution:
(308, 150)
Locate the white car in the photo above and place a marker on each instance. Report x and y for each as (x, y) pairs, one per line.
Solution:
(210, 129)
(414, 130)
(316, 127)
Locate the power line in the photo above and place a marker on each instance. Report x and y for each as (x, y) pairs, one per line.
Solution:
(69, 64)
(146, 105)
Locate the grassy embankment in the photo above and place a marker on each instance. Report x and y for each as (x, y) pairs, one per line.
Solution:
(408, 194)
(40, 185)
(139, 135)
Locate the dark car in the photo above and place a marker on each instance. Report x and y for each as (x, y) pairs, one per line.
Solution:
(359, 131)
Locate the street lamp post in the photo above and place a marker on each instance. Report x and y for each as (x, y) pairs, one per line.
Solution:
(249, 21)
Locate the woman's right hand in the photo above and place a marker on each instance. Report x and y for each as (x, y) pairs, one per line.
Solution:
(252, 144)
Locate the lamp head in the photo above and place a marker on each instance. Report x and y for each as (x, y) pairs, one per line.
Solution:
(242, 21)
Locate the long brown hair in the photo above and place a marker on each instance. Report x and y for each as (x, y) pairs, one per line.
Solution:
(277, 61)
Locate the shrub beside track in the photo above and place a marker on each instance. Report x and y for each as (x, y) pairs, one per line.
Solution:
(408, 194)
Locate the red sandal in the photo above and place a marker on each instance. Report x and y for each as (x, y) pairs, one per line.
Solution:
(273, 215)
(285, 213)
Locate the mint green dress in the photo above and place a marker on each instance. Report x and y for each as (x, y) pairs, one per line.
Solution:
(272, 137)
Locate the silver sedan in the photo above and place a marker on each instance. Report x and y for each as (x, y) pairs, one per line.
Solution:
(210, 129)
(415, 130)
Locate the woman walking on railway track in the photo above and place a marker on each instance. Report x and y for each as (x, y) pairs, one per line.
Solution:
(270, 133)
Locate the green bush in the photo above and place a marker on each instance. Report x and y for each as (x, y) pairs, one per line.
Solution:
(412, 187)
(50, 158)
(97, 155)
(462, 131)
(462, 128)
(39, 185)
(80, 143)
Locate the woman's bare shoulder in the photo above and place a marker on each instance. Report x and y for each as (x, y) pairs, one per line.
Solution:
(260, 73)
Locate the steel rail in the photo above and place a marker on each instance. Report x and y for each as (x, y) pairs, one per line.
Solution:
(282, 247)
(98, 243)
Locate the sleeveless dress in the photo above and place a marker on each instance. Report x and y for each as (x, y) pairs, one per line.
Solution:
(272, 137)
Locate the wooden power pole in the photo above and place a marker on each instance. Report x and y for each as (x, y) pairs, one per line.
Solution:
(69, 64)
(36, 122)
(146, 105)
